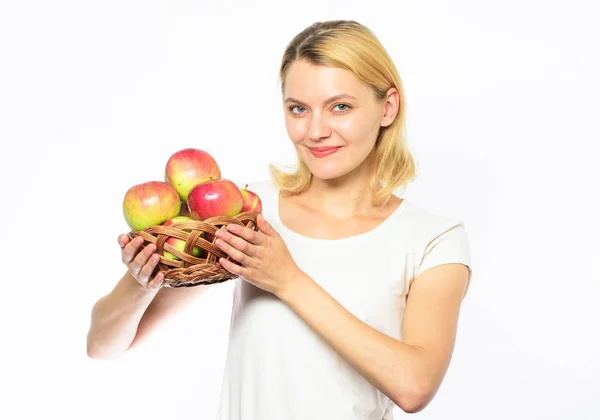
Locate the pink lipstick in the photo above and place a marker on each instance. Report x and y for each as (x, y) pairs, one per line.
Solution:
(321, 152)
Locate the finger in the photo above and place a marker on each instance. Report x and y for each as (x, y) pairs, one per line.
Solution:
(232, 267)
(236, 254)
(148, 269)
(131, 249)
(264, 226)
(238, 243)
(157, 282)
(249, 235)
(142, 259)
(123, 240)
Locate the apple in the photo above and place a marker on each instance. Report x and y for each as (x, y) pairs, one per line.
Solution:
(177, 243)
(149, 204)
(219, 197)
(251, 200)
(178, 219)
(189, 167)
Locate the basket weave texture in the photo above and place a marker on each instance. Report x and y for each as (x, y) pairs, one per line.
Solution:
(191, 270)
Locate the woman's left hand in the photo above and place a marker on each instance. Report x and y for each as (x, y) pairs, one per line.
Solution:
(265, 259)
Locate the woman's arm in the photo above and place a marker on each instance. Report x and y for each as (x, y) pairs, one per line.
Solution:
(130, 314)
(410, 371)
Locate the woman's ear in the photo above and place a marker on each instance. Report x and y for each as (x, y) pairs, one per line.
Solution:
(391, 107)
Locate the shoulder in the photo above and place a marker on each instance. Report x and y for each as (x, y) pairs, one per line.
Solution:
(420, 222)
(438, 238)
(425, 229)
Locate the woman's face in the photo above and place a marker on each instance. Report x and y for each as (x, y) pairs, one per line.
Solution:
(328, 107)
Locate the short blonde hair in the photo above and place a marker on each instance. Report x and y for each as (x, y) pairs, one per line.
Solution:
(355, 48)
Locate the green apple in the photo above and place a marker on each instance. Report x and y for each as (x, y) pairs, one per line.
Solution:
(149, 204)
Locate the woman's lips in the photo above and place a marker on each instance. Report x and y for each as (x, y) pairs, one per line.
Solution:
(323, 151)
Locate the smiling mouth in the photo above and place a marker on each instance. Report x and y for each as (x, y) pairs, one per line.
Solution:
(323, 151)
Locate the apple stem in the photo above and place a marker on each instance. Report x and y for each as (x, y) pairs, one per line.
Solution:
(246, 187)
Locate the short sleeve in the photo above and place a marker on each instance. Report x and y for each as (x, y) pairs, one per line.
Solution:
(450, 246)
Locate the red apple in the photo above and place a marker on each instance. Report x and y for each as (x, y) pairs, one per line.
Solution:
(189, 167)
(251, 201)
(151, 203)
(177, 243)
(215, 198)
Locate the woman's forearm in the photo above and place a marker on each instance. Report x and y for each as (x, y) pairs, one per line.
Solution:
(395, 368)
(115, 319)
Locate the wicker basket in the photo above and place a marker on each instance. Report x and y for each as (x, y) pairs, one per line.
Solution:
(190, 270)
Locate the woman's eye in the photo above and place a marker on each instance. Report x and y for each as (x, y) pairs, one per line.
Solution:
(344, 107)
(298, 108)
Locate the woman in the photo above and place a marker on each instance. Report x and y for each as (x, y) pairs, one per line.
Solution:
(347, 298)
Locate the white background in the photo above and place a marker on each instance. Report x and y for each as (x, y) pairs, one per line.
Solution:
(503, 112)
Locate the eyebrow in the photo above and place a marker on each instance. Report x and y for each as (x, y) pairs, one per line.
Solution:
(328, 101)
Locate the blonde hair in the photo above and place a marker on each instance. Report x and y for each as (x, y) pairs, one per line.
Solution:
(355, 48)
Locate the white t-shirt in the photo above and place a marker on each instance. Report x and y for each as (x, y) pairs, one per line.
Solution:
(277, 367)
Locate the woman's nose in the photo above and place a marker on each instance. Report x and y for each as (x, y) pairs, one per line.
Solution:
(318, 128)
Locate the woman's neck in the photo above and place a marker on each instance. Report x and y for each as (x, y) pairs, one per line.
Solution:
(337, 199)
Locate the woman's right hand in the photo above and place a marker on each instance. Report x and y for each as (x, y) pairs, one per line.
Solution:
(141, 262)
